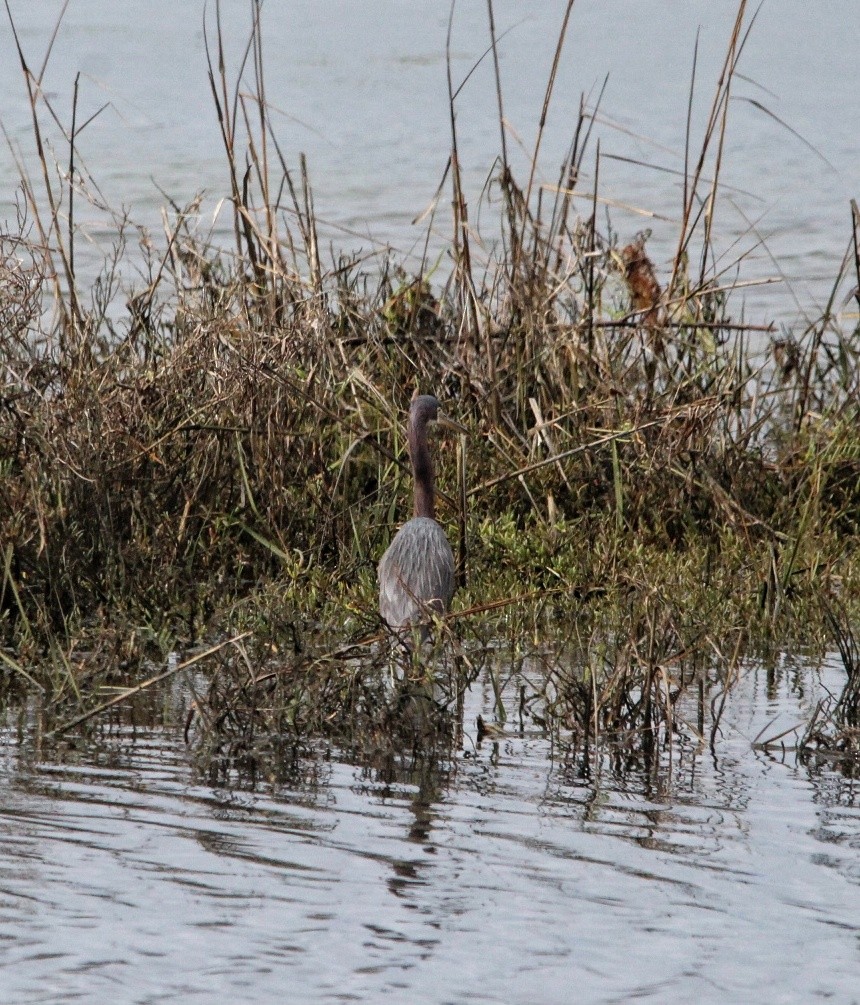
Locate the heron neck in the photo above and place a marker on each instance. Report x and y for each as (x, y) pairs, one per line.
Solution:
(422, 470)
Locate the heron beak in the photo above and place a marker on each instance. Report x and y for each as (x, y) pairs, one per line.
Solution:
(448, 423)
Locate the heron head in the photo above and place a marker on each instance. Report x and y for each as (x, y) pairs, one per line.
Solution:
(425, 408)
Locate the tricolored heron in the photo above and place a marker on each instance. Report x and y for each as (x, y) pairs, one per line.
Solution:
(416, 573)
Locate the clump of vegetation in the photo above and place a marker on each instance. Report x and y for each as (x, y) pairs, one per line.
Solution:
(650, 486)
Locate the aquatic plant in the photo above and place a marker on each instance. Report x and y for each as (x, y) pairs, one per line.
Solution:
(651, 488)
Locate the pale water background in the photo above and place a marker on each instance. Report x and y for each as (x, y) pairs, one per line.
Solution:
(506, 875)
(360, 88)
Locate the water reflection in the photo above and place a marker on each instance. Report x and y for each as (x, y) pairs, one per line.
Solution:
(500, 870)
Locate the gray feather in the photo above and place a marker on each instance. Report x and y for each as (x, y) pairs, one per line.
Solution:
(416, 574)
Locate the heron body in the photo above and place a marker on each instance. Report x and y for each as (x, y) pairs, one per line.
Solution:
(416, 573)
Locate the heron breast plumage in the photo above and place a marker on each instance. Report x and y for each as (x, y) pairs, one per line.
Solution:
(416, 574)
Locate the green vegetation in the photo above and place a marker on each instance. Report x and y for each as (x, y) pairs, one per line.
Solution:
(651, 492)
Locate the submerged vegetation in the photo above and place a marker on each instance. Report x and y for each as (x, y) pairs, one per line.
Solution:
(652, 489)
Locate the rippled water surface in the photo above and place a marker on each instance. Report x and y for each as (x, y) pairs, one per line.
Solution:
(361, 88)
(507, 875)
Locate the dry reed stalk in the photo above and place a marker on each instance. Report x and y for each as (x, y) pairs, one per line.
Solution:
(238, 433)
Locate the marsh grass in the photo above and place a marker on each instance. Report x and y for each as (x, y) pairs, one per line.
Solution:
(651, 486)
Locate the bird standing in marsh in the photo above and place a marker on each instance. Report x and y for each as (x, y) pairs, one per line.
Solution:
(416, 573)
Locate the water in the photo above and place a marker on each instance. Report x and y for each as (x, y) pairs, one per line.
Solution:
(505, 876)
(362, 90)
